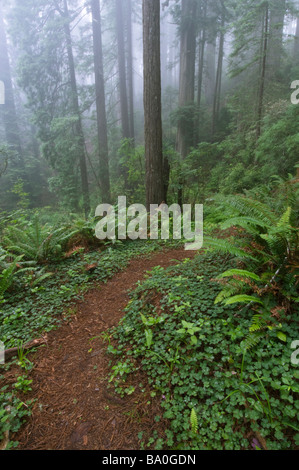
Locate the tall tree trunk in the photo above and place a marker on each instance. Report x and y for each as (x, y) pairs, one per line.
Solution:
(9, 109)
(104, 177)
(130, 70)
(217, 92)
(152, 103)
(263, 71)
(185, 131)
(201, 55)
(296, 43)
(164, 48)
(210, 72)
(76, 111)
(122, 69)
(277, 12)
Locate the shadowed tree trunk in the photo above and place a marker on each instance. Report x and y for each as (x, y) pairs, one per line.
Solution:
(104, 178)
(76, 111)
(152, 103)
(122, 70)
(277, 12)
(217, 92)
(130, 70)
(8, 108)
(202, 44)
(263, 70)
(296, 42)
(185, 131)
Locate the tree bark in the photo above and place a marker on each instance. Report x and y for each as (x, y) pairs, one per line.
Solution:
(9, 109)
(217, 92)
(263, 71)
(296, 43)
(130, 70)
(152, 103)
(76, 111)
(104, 177)
(277, 12)
(201, 55)
(185, 131)
(122, 69)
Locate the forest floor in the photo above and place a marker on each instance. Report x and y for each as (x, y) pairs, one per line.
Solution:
(74, 407)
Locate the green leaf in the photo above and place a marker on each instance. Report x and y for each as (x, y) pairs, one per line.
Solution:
(281, 336)
(149, 337)
(243, 299)
(193, 339)
(240, 272)
(194, 421)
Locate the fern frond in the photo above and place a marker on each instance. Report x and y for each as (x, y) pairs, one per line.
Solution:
(285, 219)
(258, 322)
(243, 299)
(224, 246)
(232, 287)
(248, 207)
(249, 223)
(194, 421)
(240, 272)
(252, 339)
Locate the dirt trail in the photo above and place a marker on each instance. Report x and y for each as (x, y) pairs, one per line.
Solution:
(74, 409)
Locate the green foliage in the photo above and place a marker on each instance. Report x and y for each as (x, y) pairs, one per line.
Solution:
(239, 163)
(194, 421)
(7, 272)
(36, 242)
(131, 163)
(273, 241)
(31, 311)
(18, 190)
(189, 329)
(5, 155)
(36, 299)
(13, 410)
(231, 395)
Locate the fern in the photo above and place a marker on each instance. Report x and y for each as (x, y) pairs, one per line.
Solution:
(251, 224)
(243, 299)
(258, 322)
(257, 330)
(194, 421)
(36, 242)
(241, 273)
(232, 287)
(248, 207)
(7, 275)
(227, 247)
(252, 339)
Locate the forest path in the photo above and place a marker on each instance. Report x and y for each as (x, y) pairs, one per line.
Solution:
(74, 408)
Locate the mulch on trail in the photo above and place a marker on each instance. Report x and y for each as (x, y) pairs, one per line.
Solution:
(74, 407)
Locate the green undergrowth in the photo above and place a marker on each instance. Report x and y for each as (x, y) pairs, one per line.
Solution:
(214, 394)
(31, 309)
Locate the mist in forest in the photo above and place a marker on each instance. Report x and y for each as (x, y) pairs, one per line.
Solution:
(72, 128)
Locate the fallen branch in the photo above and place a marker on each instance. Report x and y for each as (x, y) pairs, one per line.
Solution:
(10, 353)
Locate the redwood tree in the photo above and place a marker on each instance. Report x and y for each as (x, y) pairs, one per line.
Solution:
(100, 101)
(152, 103)
(9, 108)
